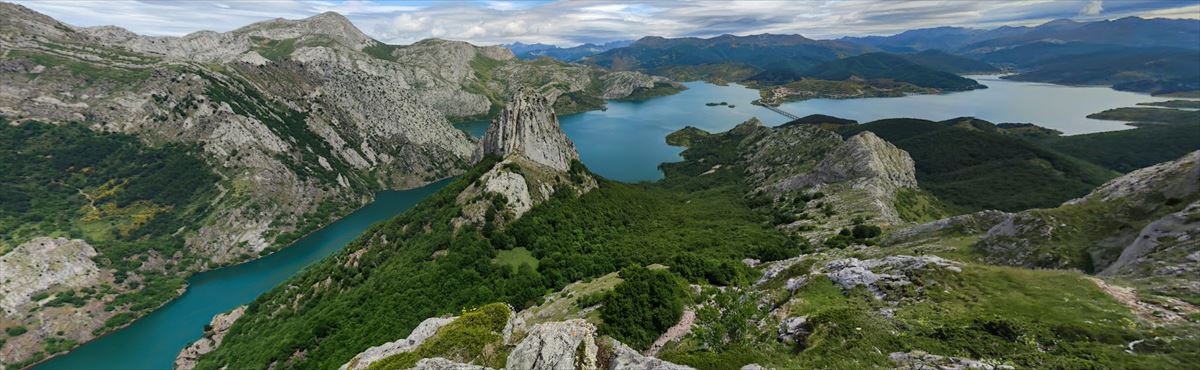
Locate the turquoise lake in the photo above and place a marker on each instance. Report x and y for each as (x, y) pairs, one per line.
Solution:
(625, 143)
(153, 341)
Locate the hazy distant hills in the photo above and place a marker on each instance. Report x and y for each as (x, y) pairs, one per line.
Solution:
(726, 57)
(1148, 55)
(1129, 31)
(879, 65)
(571, 54)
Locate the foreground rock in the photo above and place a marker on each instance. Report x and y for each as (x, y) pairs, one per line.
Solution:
(918, 360)
(424, 331)
(186, 360)
(565, 345)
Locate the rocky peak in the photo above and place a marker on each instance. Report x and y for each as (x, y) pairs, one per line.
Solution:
(866, 156)
(863, 161)
(528, 127)
(328, 24)
(22, 21)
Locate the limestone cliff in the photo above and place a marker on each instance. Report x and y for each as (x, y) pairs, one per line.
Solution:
(536, 159)
(528, 127)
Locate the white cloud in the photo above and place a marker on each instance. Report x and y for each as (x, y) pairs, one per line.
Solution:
(1092, 9)
(571, 22)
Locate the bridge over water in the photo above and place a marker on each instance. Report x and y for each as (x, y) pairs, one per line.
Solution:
(781, 111)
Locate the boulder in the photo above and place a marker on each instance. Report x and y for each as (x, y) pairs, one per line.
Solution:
(882, 275)
(564, 345)
(625, 358)
(422, 332)
(438, 363)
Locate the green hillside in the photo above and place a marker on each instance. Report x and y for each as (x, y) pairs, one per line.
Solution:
(889, 66)
(975, 168)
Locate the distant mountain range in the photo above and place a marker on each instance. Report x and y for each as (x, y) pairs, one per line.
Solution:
(1129, 31)
(571, 54)
(1148, 55)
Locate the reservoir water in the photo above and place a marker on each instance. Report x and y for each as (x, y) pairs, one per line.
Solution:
(153, 341)
(625, 143)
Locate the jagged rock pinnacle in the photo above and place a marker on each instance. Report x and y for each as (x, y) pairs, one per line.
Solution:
(529, 128)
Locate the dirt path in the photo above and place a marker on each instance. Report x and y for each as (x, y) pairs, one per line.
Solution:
(1174, 310)
(673, 333)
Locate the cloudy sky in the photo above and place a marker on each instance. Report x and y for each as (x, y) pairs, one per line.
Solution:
(568, 23)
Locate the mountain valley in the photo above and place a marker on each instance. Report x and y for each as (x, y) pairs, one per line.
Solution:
(135, 168)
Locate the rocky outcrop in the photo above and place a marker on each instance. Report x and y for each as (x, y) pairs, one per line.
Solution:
(971, 223)
(424, 331)
(1168, 246)
(438, 363)
(1175, 179)
(881, 276)
(919, 360)
(866, 163)
(41, 264)
(625, 358)
(863, 159)
(817, 182)
(1109, 229)
(623, 83)
(566, 345)
(528, 127)
(537, 159)
(213, 335)
(794, 329)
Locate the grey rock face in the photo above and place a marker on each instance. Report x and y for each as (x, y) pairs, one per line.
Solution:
(554, 345)
(621, 84)
(918, 360)
(438, 363)
(1173, 179)
(528, 127)
(882, 275)
(186, 360)
(422, 332)
(794, 329)
(625, 358)
(42, 263)
(1174, 241)
(775, 268)
(1032, 238)
(863, 162)
(971, 223)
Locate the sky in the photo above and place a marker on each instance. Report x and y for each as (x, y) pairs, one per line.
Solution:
(569, 23)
